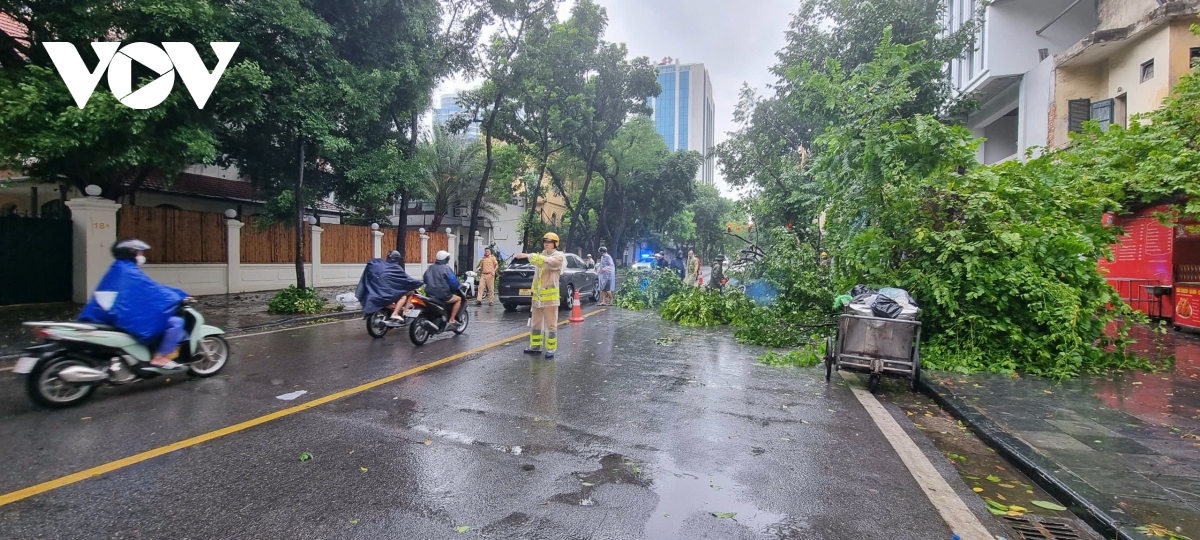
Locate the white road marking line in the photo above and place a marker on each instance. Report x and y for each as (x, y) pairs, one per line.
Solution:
(952, 508)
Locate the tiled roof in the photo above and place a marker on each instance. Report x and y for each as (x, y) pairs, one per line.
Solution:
(10, 26)
(203, 186)
(221, 188)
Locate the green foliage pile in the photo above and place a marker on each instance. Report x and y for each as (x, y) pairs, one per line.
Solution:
(805, 357)
(660, 285)
(705, 307)
(295, 301)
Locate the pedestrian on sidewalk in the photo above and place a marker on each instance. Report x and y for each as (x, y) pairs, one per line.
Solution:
(692, 279)
(607, 272)
(487, 277)
(544, 304)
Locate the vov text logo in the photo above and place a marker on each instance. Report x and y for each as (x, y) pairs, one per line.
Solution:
(118, 61)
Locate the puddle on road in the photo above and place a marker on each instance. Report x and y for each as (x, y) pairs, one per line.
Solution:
(682, 494)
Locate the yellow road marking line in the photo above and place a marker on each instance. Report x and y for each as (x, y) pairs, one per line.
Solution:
(69, 479)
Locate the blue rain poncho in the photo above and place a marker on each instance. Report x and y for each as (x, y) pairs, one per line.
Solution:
(381, 284)
(130, 300)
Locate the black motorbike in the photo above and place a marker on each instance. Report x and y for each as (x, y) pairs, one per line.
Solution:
(429, 317)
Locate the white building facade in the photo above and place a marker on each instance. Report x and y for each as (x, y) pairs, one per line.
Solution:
(1011, 67)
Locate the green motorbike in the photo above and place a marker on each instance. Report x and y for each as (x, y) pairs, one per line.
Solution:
(72, 359)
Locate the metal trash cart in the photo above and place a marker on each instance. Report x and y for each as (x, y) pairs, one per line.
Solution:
(877, 347)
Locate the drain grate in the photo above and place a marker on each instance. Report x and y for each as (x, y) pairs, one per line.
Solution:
(1030, 527)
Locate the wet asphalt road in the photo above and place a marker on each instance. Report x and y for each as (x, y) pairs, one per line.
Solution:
(620, 437)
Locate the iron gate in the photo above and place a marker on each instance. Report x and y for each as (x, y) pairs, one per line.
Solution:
(35, 260)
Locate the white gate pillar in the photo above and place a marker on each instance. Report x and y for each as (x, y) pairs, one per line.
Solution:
(94, 231)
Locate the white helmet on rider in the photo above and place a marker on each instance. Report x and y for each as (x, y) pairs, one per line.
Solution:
(442, 256)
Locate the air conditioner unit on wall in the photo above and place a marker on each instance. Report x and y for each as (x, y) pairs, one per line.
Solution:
(460, 211)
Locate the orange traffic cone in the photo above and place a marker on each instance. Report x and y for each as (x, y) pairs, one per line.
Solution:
(576, 311)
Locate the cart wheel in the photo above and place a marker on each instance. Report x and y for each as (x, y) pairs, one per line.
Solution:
(829, 358)
(873, 383)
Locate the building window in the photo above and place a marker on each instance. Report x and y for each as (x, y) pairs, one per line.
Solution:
(1148, 71)
(1193, 56)
(1078, 112)
(1102, 112)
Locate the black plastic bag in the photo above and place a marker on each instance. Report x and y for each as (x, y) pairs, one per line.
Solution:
(885, 308)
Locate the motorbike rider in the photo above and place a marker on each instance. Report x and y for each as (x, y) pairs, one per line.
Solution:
(129, 299)
(544, 304)
(441, 284)
(404, 302)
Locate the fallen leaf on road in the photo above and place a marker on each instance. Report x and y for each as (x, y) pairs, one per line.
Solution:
(993, 478)
(364, 469)
(588, 484)
(724, 515)
(1001, 497)
(462, 528)
(1048, 505)
(1018, 508)
(428, 442)
(1009, 486)
(305, 456)
(89, 418)
(353, 521)
(977, 489)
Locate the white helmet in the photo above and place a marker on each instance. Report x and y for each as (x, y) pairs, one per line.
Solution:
(442, 256)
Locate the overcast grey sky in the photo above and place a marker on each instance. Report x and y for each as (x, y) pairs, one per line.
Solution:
(735, 40)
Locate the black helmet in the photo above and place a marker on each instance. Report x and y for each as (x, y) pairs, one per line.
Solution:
(393, 256)
(127, 250)
(720, 257)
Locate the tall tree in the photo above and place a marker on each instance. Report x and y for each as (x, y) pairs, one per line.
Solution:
(615, 89)
(497, 63)
(776, 131)
(550, 103)
(298, 125)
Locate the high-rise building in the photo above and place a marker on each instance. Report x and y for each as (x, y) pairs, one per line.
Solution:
(684, 113)
(448, 110)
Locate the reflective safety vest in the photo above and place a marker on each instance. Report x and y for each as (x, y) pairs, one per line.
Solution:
(543, 296)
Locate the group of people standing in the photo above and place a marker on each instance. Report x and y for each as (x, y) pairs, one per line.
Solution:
(688, 269)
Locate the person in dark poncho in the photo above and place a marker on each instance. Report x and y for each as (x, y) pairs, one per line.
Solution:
(383, 282)
(129, 299)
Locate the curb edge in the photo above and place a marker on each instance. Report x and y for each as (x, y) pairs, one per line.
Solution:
(1034, 465)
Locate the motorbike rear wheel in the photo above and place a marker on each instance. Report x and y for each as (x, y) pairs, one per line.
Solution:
(212, 356)
(377, 323)
(417, 332)
(46, 389)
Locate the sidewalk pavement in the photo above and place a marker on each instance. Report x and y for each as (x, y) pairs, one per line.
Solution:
(1125, 445)
(233, 313)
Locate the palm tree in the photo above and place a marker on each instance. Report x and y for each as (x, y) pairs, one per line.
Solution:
(453, 162)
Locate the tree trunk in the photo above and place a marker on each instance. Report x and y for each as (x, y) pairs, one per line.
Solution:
(409, 150)
(537, 191)
(299, 200)
(579, 207)
(402, 227)
(483, 180)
